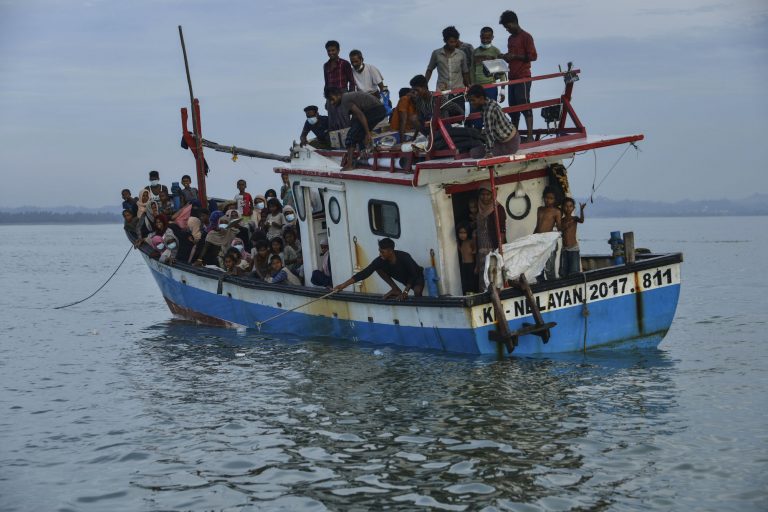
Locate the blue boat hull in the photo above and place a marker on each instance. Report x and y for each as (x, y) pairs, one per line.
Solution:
(630, 320)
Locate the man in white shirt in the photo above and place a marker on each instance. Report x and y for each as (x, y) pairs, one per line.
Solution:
(367, 77)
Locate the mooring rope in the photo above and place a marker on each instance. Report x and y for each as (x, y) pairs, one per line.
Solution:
(259, 324)
(103, 285)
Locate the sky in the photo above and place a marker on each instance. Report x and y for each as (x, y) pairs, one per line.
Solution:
(90, 91)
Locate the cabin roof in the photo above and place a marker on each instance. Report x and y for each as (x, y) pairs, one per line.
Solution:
(424, 172)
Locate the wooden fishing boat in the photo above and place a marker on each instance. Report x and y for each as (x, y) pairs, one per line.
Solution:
(415, 198)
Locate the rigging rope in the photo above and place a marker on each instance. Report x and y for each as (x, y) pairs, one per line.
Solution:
(103, 285)
(594, 177)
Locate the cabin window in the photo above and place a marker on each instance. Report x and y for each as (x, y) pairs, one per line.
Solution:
(384, 217)
(317, 198)
(334, 210)
(298, 199)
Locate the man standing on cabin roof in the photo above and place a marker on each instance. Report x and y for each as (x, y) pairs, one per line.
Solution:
(486, 51)
(337, 73)
(502, 138)
(367, 76)
(451, 64)
(318, 125)
(366, 111)
(392, 265)
(520, 53)
(154, 186)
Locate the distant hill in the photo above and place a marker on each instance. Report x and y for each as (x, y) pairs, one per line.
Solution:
(756, 204)
(49, 217)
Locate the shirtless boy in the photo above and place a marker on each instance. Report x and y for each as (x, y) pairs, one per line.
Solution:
(570, 258)
(548, 217)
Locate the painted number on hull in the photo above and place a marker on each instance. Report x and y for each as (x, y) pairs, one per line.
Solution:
(658, 278)
(603, 289)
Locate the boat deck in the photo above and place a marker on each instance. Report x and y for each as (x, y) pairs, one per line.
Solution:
(556, 147)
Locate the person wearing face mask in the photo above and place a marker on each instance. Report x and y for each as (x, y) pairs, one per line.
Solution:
(220, 235)
(486, 51)
(155, 187)
(367, 76)
(170, 249)
(318, 125)
(290, 217)
(259, 215)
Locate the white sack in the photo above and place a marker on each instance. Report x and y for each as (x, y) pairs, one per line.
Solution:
(529, 254)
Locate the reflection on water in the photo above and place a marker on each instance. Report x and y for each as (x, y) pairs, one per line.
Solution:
(109, 406)
(335, 424)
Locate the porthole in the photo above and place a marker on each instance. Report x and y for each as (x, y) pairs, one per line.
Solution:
(516, 204)
(334, 210)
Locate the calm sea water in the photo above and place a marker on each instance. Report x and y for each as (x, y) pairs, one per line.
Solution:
(111, 405)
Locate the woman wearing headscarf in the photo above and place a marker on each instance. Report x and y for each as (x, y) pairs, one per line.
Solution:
(170, 248)
(144, 212)
(290, 218)
(245, 255)
(259, 214)
(218, 240)
(486, 236)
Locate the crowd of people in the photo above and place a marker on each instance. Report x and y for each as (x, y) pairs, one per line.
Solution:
(247, 235)
(356, 97)
(258, 236)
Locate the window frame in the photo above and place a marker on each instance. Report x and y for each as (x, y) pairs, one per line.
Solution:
(380, 232)
(298, 200)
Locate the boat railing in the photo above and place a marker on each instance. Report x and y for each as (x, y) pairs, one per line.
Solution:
(394, 159)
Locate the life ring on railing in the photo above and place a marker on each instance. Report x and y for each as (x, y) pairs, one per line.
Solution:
(527, 206)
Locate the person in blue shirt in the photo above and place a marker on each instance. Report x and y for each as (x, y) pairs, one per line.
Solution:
(129, 202)
(318, 125)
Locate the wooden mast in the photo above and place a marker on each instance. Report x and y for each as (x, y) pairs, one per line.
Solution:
(196, 129)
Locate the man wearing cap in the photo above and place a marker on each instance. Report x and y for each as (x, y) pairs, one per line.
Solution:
(154, 186)
(392, 265)
(318, 125)
(322, 276)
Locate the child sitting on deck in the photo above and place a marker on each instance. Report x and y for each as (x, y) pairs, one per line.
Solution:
(570, 257)
(260, 259)
(279, 273)
(232, 262)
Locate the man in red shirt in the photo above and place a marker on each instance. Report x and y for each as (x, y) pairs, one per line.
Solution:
(338, 73)
(520, 53)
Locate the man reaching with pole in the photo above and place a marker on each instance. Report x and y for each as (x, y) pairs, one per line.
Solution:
(392, 265)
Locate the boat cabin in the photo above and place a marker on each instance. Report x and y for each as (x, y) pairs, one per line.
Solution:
(418, 197)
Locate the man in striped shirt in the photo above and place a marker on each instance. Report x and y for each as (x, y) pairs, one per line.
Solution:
(502, 138)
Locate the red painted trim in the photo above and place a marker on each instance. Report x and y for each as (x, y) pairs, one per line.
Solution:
(496, 160)
(501, 180)
(348, 176)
